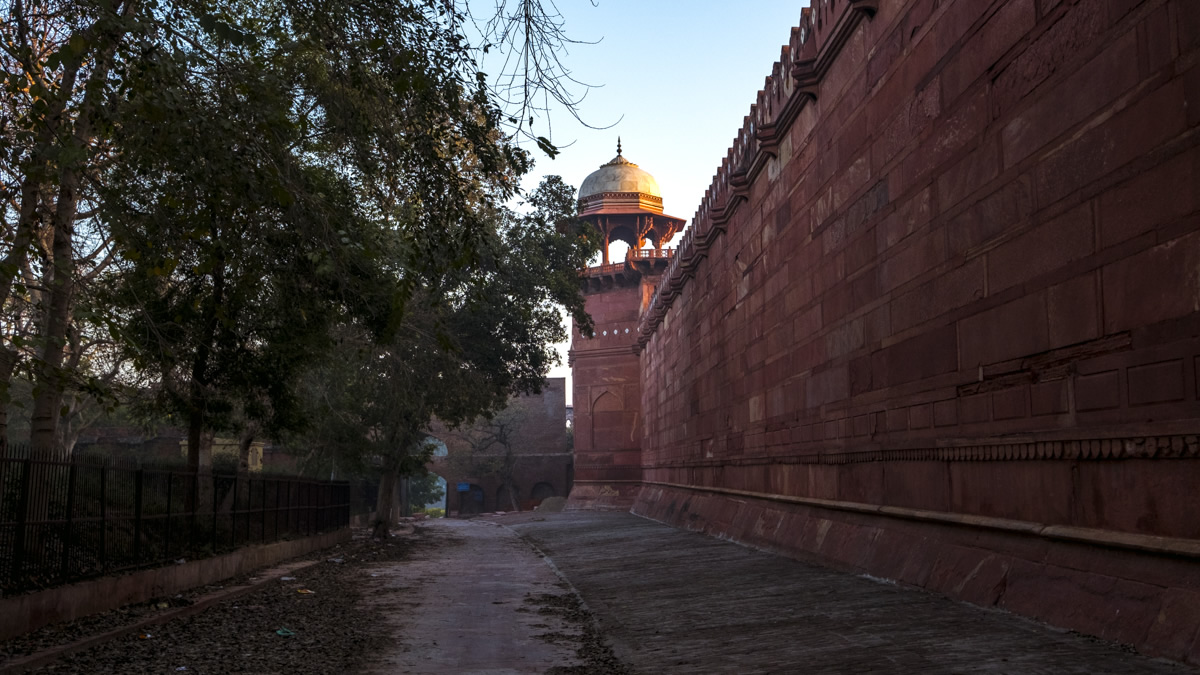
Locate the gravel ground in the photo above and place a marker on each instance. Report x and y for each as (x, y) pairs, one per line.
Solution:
(55, 635)
(327, 630)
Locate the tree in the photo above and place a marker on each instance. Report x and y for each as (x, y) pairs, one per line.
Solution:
(487, 448)
(464, 347)
(302, 103)
(58, 58)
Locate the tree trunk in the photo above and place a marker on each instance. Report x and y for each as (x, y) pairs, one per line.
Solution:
(199, 444)
(8, 361)
(385, 504)
(510, 465)
(199, 464)
(50, 375)
(51, 379)
(512, 494)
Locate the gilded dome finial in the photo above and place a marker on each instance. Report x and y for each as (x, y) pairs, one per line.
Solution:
(618, 145)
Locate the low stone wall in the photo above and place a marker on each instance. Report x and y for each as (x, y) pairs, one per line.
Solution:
(23, 613)
(1139, 590)
(603, 496)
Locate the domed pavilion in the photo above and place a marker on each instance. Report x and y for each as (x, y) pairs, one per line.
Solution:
(625, 204)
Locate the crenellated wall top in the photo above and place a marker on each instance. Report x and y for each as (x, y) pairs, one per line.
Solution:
(812, 47)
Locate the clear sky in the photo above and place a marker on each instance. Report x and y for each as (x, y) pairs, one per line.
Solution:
(676, 77)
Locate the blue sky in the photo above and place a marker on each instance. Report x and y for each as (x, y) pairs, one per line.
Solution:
(678, 75)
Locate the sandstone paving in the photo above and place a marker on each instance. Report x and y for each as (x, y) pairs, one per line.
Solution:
(671, 601)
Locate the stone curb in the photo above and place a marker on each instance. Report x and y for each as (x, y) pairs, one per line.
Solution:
(39, 659)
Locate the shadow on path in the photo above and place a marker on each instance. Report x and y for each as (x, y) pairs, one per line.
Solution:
(481, 601)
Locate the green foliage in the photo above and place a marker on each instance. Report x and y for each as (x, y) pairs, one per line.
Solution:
(424, 489)
(461, 350)
(274, 218)
(308, 166)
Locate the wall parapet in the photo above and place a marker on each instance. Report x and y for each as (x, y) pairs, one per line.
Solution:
(814, 45)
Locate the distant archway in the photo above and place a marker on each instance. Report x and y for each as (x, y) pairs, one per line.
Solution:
(443, 502)
(541, 491)
(470, 501)
(504, 503)
(439, 446)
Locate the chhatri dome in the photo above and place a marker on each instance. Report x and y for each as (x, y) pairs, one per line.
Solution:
(619, 175)
(625, 204)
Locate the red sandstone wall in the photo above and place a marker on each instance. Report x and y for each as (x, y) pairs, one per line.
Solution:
(979, 237)
(951, 264)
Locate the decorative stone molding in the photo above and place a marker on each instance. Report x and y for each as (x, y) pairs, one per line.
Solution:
(1137, 447)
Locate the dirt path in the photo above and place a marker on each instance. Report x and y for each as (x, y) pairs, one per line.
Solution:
(480, 602)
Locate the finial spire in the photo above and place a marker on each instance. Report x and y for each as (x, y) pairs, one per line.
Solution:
(618, 145)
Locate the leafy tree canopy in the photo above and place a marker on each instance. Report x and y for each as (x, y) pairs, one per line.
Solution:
(220, 193)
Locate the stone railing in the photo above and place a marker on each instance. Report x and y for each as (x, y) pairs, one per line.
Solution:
(649, 253)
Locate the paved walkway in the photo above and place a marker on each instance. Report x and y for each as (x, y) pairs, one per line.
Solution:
(467, 606)
(676, 602)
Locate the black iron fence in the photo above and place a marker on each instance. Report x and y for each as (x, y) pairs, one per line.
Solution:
(64, 519)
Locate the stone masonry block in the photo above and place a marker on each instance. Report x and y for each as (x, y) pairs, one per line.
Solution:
(1073, 311)
(1136, 291)
(1151, 121)
(1018, 328)
(1072, 101)
(1156, 383)
(982, 50)
(1043, 249)
(1150, 198)
(1073, 33)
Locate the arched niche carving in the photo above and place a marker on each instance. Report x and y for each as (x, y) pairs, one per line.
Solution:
(607, 401)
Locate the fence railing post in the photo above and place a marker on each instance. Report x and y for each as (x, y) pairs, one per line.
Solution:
(137, 516)
(193, 545)
(167, 534)
(233, 514)
(103, 517)
(214, 514)
(65, 568)
(52, 543)
(248, 510)
(262, 516)
(18, 562)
